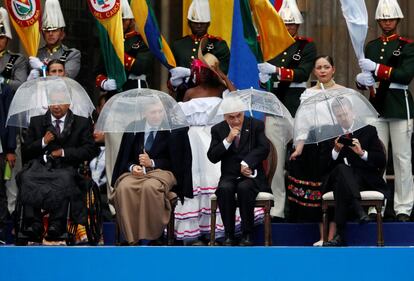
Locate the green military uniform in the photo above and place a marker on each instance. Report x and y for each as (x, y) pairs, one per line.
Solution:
(400, 72)
(13, 68)
(186, 49)
(138, 62)
(296, 64)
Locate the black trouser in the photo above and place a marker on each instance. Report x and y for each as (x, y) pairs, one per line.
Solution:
(346, 187)
(3, 195)
(246, 191)
(57, 217)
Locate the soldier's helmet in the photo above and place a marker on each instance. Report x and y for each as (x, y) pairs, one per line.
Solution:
(52, 16)
(388, 9)
(289, 12)
(126, 10)
(199, 11)
(5, 24)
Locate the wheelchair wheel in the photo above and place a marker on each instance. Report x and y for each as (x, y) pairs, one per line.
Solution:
(94, 225)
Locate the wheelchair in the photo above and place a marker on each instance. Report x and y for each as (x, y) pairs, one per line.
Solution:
(91, 200)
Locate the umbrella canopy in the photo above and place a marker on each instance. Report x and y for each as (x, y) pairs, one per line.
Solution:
(34, 97)
(133, 110)
(332, 113)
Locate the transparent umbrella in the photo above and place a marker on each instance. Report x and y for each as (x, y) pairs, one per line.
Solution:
(33, 97)
(130, 111)
(331, 113)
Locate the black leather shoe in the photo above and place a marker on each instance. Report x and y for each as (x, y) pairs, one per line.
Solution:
(54, 233)
(34, 232)
(372, 217)
(229, 240)
(277, 220)
(403, 218)
(363, 218)
(337, 241)
(246, 240)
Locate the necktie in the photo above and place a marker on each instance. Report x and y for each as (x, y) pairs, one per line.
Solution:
(57, 127)
(149, 141)
(237, 141)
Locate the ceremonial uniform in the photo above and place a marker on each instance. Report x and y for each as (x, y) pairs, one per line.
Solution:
(394, 56)
(186, 49)
(13, 68)
(70, 56)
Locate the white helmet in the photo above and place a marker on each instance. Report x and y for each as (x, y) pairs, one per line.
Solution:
(289, 12)
(388, 9)
(199, 11)
(5, 24)
(52, 16)
(126, 10)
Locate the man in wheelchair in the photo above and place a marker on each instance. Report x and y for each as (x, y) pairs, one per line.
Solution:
(56, 144)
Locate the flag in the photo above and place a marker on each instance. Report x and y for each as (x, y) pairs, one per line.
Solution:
(150, 32)
(278, 4)
(111, 37)
(24, 15)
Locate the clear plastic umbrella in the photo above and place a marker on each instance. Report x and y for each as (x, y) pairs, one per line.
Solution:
(131, 110)
(330, 113)
(33, 97)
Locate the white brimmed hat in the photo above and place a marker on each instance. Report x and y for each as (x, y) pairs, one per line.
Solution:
(232, 105)
(52, 16)
(126, 10)
(199, 11)
(388, 9)
(289, 12)
(5, 24)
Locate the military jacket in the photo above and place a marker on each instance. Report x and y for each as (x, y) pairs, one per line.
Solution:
(19, 69)
(186, 49)
(72, 62)
(380, 50)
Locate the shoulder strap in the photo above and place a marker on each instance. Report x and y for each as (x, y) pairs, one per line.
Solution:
(65, 55)
(9, 66)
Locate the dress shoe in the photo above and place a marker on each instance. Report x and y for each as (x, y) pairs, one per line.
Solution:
(2, 236)
(54, 233)
(277, 220)
(229, 240)
(337, 241)
(33, 232)
(403, 218)
(372, 217)
(363, 218)
(246, 240)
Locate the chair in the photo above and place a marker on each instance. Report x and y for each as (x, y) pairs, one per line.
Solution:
(173, 198)
(263, 200)
(368, 198)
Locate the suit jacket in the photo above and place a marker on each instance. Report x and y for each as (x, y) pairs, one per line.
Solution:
(253, 149)
(369, 171)
(170, 151)
(75, 139)
(7, 134)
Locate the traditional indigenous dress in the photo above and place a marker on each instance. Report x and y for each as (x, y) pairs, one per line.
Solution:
(192, 219)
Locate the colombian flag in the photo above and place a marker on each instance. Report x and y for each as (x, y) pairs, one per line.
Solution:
(24, 15)
(150, 32)
(111, 37)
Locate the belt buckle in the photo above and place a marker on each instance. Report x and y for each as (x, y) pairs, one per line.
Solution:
(396, 53)
(296, 57)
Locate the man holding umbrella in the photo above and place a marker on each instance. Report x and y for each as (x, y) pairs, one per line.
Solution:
(390, 61)
(240, 144)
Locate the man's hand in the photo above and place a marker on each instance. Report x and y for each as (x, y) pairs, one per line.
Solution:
(145, 160)
(245, 171)
(338, 146)
(11, 158)
(266, 68)
(367, 65)
(56, 153)
(357, 147)
(35, 63)
(365, 79)
(99, 137)
(137, 170)
(108, 84)
(49, 136)
(233, 133)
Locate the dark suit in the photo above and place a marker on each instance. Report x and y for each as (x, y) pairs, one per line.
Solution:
(253, 149)
(170, 151)
(78, 144)
(347, 181)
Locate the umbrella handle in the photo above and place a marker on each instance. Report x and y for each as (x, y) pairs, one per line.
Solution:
(43, 68)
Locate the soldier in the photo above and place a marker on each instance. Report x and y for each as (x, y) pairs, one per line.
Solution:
(53, 25)
(138, 59)
(186, 48)
(288, 73)
(390, 61)
(13, 69)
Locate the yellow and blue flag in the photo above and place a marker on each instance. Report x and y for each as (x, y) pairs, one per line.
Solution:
(150, 32)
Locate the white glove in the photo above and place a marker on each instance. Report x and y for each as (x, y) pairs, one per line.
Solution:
(179, 72)
(367, 65)
(263, 77)
(108, 84)
(266, 68)
(34, 74)
(365, 78)
(35, 63)
(175, 82)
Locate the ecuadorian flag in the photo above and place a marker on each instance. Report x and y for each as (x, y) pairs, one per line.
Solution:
(150, 32)
(25, 15)
(108, 17)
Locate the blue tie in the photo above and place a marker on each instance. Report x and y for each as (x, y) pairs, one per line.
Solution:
(150, 141)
